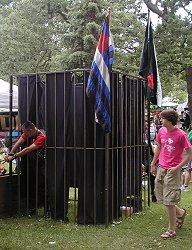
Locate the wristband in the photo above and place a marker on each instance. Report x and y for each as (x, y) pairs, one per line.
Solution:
(14, 156)
(11, 154)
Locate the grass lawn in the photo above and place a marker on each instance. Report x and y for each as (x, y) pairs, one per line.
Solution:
(140, 231)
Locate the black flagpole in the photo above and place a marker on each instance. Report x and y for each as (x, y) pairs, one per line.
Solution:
(148, 116)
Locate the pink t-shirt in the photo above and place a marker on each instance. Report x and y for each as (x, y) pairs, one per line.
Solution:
(172, 144)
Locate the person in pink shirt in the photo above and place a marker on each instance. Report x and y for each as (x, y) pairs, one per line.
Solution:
(171, 143)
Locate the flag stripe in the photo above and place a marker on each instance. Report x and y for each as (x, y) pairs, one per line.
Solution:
(150, 79)
(103, 115)
(99, 82)
(159, 89)
(103, 43)
(103, 80)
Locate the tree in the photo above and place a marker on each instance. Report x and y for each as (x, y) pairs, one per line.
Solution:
(26, 38)
(57, 35)
(80, 37)
(84, 27)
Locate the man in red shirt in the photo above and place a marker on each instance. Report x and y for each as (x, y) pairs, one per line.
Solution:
(35, 149)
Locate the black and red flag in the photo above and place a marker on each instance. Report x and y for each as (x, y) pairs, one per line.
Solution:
(148, 67)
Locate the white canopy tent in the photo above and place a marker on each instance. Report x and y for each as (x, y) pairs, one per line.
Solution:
(169, 104)
(182, 106)
(4, 97)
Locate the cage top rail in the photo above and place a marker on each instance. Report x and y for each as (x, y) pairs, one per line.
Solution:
(75, 71)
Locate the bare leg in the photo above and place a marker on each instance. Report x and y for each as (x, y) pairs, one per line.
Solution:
(171, 210)
(179, 211)
(187, 178)
(180, 216)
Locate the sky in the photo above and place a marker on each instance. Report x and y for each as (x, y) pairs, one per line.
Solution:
(154, 17)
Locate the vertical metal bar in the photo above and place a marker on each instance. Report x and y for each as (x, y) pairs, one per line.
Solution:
(10, 115)
(117, 144)
(37, 168)
(134, 145)
(64, 149)
(106, 179)
(130, 142)
(112, 148)
(95, 173)
(148, 151)
(74, 148)
(27, 156)
(140, 138)
(55, 146)
(18, 162)
(137, 159)
(10, 134)
(84, 143)
(46, 177)
(143, 150)
(126, 137)
(120, 102)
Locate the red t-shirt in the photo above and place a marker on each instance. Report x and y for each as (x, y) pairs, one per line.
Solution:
(38, 141)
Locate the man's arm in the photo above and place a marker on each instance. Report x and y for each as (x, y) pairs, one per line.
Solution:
(23, 152)
(17, 145)
(27, 150)
(155, 159)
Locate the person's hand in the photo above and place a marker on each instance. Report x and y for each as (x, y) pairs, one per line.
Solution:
(153, 168)
(8, 158)
(175, 170)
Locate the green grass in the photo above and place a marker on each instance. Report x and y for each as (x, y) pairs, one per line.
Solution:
(140, 231)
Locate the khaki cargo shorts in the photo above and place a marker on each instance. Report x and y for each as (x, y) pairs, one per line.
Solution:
(167, 187)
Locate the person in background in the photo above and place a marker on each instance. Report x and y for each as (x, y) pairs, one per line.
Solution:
(158, 123)
(35, 149)
(186, 122)
(187, 177)
(152, 130)
(171, 143)
(150, 147)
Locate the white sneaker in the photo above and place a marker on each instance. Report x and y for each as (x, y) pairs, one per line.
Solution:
(184, 188)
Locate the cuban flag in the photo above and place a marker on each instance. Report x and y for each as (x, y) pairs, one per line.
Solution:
(149, 67)
(98, 86)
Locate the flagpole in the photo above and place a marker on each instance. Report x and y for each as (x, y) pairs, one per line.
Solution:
(109, 14)
(148, 22)
(148, 147)
(103, 100)
(107, 162)
(148, 117)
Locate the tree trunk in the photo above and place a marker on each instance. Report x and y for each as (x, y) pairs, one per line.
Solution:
(189, 89)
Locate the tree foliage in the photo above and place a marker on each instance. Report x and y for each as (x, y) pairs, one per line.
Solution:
(174, 46)
(26, 42)
(55, 35)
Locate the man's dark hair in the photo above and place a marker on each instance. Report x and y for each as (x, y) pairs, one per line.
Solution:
(28, 125)
(171, 115)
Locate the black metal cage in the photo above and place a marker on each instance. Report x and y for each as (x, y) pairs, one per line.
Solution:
(89, 176)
